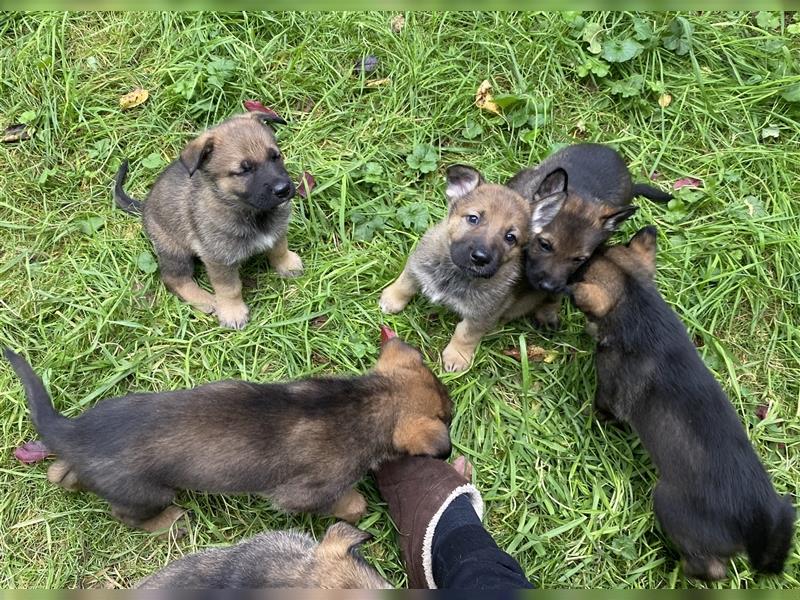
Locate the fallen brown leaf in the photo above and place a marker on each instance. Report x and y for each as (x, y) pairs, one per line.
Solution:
(134, 98)
(484, 99)
(378, 82)
(535, 353)
(664, 100)
(398, 22)
(687, 182)
(15, 133)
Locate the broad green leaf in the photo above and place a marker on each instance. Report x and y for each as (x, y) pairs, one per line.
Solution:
(90, 225)
(146, 262)
(621, 50)
(643, 31)
(792, 93)
(768, 20)
(153, 161)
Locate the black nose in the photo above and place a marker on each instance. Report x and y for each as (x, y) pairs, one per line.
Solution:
(282, 189)
(480, 257)
(549, 286)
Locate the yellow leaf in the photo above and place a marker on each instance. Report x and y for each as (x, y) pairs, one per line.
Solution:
(398, 22)
(664, 100)
(134, 98)
(378, 82)
(483, 98)
(550, 356)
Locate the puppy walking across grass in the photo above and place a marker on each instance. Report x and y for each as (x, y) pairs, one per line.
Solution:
(224, 200)
(566, 229)
(302, 444)
(713, 499)
(470, 263)
(276, 559)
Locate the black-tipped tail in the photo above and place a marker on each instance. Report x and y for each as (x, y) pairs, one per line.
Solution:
(651, 193)
(768, 547)
(122, 199)
(49, 423)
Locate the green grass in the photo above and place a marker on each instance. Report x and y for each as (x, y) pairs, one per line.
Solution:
(568, 497)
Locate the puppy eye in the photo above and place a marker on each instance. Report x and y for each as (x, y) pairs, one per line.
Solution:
(545, 245)
(511, 238)
(579, 259)
(246, 166)
(275, 157)
(473, 219)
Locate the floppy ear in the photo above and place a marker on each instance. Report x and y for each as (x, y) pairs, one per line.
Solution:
(644, 244)
(342, 538)
(554, 183)
(197, 152)
(612, 220)
(422, 436)
(591, 299)
(267, 117)
(461, 180)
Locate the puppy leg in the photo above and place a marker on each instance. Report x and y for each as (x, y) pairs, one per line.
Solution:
(177, 273)
(458, 354)
(60, 473)
(546, 315)
(230, 308)
(524, 304)
(395, 297)
(350, 507)
(709, 568)
(285, 262)
(154, 520)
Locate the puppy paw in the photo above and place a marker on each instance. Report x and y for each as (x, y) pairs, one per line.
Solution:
(390, 303)
(351, 507)
(60, 473)
(547, 319)
(233, 315)
(456, 360)
(290, 266)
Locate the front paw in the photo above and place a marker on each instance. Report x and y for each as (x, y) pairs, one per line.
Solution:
(547, 318)
(351, 507)
(456, 359)
(290, 265)
(233, 315)
(390, 303)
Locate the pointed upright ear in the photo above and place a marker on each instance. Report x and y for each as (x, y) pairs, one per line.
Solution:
(267, 117)
(554, 183)
(197, 152)
(461, 180)
(342, 538)
(644, 244)
(591, 299)
(612, 220)
(422, 436)
(545, 210)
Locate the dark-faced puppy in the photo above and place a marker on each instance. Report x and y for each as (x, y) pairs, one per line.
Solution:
(565, 230)
(470, 262)
(224, 200)
(713, 498)
(277, 559)
(302, 444)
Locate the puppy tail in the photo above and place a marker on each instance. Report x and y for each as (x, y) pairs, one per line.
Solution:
(648, 191)
(49, 423)
(768, 546)
(122, 199)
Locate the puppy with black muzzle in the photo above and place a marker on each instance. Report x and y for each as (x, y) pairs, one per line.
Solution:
(276, 559)
(713, 499)
(224, 200)
(566, 229)
(302, 444)
(470, 263)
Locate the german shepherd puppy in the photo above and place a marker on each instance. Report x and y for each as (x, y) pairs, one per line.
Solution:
(224, 200)
(470, 263)
(302, 444)
(566, 229)
(276, 559)
(714, 498)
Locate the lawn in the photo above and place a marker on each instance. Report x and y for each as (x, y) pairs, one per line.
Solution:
(711, 96)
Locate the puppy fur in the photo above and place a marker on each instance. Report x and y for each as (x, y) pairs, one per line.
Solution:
(277, 559)
(302, 444)
(470, 263)
(714, 498)
(566, 229)
(225, 199)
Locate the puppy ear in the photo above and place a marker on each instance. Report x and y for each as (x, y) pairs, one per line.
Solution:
(545, 210)
(461, 180)
(342, 538)
(644, 244)
(197, 152)
(591, 299)
(267, 117)
(422, 436)
(612, 220)
(554, 183)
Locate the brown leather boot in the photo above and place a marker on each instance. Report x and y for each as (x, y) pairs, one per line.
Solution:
(418, 490)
